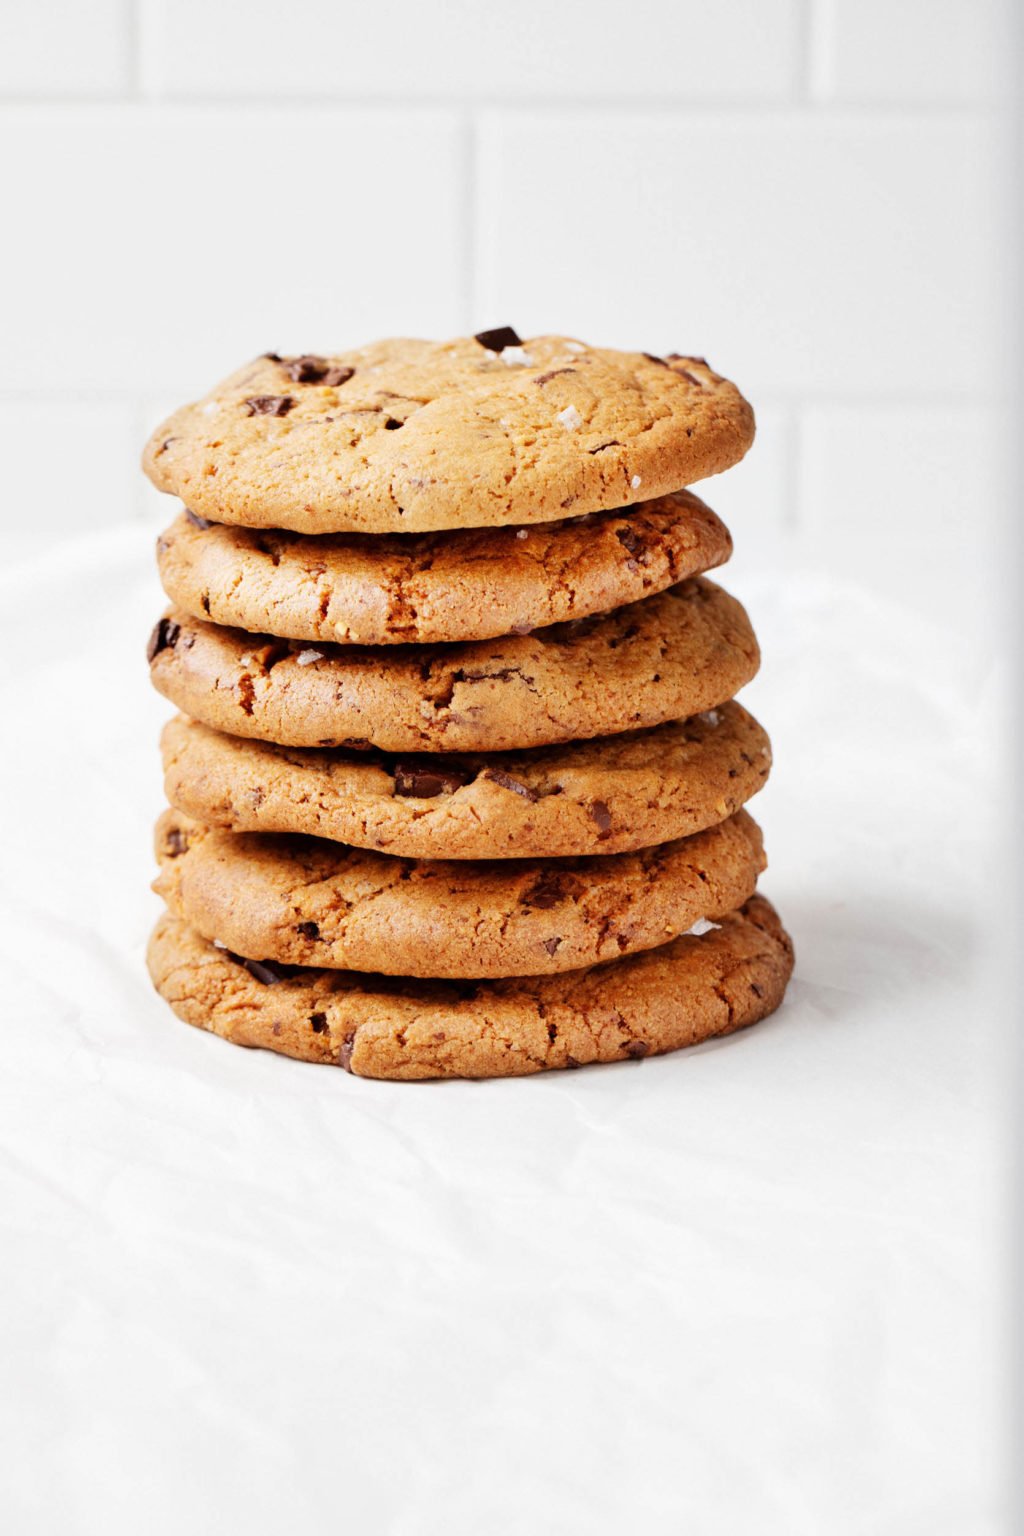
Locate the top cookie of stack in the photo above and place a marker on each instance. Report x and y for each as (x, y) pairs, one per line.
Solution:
(416, 436)
(441, 602)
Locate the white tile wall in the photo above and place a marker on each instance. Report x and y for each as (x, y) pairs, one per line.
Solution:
(805, 190)
(906, 52)
(522, 50)
(66, 47)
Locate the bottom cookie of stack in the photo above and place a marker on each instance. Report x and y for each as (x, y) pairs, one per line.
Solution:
(729, 975)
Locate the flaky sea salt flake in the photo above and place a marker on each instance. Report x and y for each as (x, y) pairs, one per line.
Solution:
(570, 418)
(307, 658)
(701, 926)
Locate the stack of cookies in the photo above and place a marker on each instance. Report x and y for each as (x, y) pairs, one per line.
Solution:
(457, 785)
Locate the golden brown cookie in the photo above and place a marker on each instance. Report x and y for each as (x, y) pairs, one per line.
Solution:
(610, 795)
(470, 584)
(410, 436)
(696, 987)
(303, 901)
(668, 657)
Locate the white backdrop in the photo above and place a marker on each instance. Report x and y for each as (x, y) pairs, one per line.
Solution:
(753, 1287)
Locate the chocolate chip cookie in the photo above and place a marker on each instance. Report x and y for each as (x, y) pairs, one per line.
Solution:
(668, 657)
(471, 584)
(412, 436)
(729, 976)
(307, 902)
(611, 795)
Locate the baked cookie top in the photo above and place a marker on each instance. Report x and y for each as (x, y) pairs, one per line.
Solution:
(668, 657)
(302, 901)
(469, 584)
(610, 795)
(406, 436)
(730, 975)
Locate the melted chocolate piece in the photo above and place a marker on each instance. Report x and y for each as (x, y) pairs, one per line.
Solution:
(424, 781)
(345, 1051)
(269, 405)
(309, 930)
(164, 637)
(319, 1022)
(547, 893)
(497, 340)
(637, 1048)
(542, 378)
(506, 781)
(551, 945)
(263, 971)
(316, 370)
(201, 523)
(600, 813)
(631, 541)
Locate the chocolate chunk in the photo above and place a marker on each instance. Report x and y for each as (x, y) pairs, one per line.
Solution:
(345, 1051)
(631, 541)
(306, 369)
(197, 522)
(269, 405)
(176, 843)
(612, 443)
(652, 359)
(497, 340)
(272, 357)
(424, 781)
(571, 1062)
(506, 781)
(316, 370)
(637, 1048)
(319, 1022)
(551, 945)
(391, 425)
(264, 971)
(164, 637)
(547, 893)
(600, 813)
(309, 930)
(542, 378)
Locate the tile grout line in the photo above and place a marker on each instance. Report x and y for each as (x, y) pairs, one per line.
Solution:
(858, 110)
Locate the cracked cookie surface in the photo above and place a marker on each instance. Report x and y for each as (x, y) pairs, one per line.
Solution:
(406, 436)
(689, 990)
(673, 655)
(302, 901)
(469, 584)
(610, 795)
